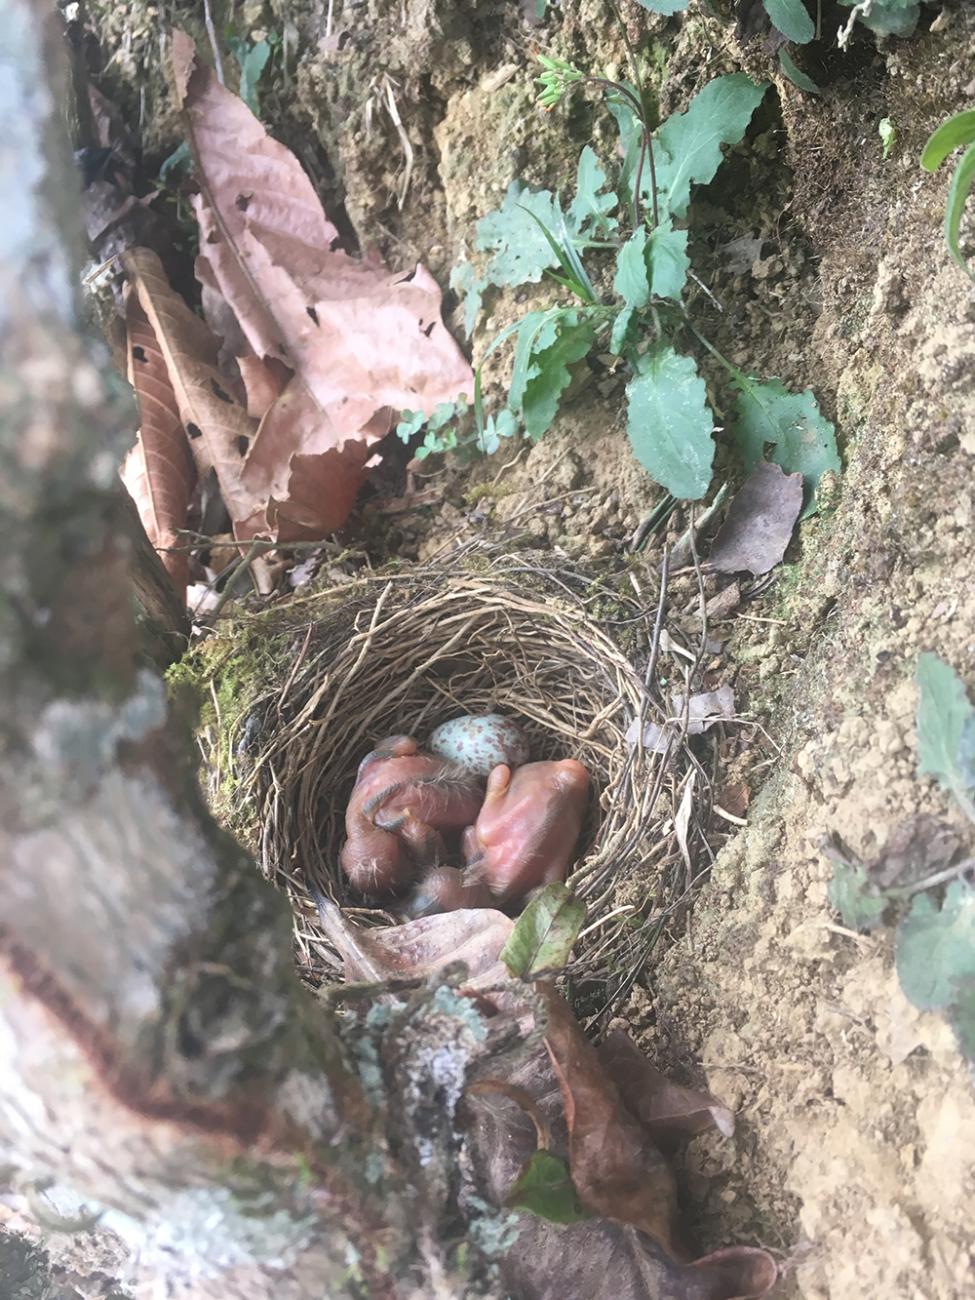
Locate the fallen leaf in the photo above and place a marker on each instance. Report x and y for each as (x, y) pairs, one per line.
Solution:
(358, 337)
(760, 522)
(665, 1109)
(158, 472)
(915, 848)
(218, 427)
(618, 1171)
(420, 948)
(543, 935)
(703, 711)
(725, 602)
(597, 1257)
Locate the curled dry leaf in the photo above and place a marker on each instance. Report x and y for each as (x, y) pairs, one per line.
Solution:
(219, 429)
(760, 522)
(601, 1256)
(618, 1171)
(357, 337)
(158, 472)
(666, 1109)
(420, 948)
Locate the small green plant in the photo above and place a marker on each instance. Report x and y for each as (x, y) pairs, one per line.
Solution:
(935, 945)
(958, 131)
(638, 217)
(888, 136)
(794, 19)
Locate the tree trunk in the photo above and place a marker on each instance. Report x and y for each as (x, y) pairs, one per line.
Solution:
(159, 1055)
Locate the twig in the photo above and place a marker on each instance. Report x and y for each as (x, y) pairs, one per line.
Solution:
(214, 43)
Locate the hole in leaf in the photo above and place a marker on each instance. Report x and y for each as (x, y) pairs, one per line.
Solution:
(219, 392)
(194, 431)
(243, 442)
(243, 201)
(138, 353)
(428, 329)
(312, 313)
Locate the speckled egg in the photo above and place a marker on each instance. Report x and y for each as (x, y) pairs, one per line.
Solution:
(480, 742)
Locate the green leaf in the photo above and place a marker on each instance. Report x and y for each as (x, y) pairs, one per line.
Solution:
(544, 933)
(543, 355)
(411, 422)
(669, 422)
(889, 17)
(621, 335)
(966, 753)
(667, 7)
(632, 280)
(179, 160)
(465, 280)
(958, 130)
(888, 136)
(944, 721)
(251, 66)
(936, 948)
(852, 895)
(961, 1014)
(796, 75)
(592, 203)
(961, 186)
(544, 1187)
(669, 262)
(655, 263)
(791, 18)
(500, 424)
(801, 439)
(688, 145)
(521, 251)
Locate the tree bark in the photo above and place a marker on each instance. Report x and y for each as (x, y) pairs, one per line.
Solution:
(159, 1055)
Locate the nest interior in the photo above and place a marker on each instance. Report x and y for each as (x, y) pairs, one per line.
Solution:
(402, 653)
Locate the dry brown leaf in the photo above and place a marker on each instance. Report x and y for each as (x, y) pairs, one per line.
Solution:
(598, 1257)
(158, 472)
(219, 429)
(618, 1171)
(357, 337)
(420, 948)
(667, 1110)
(760, 521)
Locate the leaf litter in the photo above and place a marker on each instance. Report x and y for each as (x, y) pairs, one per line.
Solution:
(571, 1134)
(307, 355)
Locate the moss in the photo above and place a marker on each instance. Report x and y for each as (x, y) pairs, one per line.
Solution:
(481, 491)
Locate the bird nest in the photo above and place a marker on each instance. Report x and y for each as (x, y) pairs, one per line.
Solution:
(402, 652)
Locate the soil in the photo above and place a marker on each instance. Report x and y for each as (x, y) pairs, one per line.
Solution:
(854, 1158)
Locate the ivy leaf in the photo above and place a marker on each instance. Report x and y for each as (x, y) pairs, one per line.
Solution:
(945, 729)
(544, 933)
(936, 948)
(669, 422)
(791, 18)
(544, 1187)
(689, 144)
(521, 252)
(796, 75)
(465, 280)
(800, 438)
(548, 344)
(852, 895)
(592, 206)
